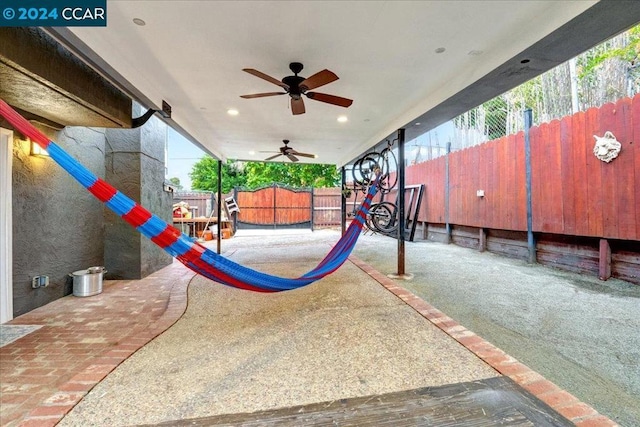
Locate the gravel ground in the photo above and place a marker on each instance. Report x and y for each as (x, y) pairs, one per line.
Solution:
(579, 332)
(237, 351)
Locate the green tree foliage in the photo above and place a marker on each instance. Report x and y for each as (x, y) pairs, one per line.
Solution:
(204, 175)
(292, 174)
(175, 181)
(496, 116)
(605, 73)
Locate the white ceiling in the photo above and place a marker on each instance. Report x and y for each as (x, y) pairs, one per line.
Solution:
(191, 54)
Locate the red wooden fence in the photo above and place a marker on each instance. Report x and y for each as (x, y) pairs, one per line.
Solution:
(326, 207)
(573, 192)
(274, 206)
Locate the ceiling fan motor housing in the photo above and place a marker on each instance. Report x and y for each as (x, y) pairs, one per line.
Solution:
(294, 85)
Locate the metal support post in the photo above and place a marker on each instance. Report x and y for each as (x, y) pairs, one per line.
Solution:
(401, 207)
(447, 226)
(531, 244)
(343, 200)
(401, 274)
(219, 208)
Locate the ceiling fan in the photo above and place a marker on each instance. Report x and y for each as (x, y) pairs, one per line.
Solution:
(290, 153)
(296, 86)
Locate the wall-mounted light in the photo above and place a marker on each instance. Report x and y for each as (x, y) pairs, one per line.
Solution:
(38, 151)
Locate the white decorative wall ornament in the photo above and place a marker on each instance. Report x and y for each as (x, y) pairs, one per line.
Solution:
(607, 147)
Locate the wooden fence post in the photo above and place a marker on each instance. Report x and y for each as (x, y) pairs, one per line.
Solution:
(604, 270)
(447, 226)
(482, 239)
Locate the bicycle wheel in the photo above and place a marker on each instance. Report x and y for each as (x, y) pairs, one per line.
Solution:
(383, 217)
(388, 164)
(363, 168)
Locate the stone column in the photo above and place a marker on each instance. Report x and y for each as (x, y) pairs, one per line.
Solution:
(135, 165)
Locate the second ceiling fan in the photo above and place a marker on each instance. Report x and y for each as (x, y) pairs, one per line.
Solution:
(290, 153)
(296, 86)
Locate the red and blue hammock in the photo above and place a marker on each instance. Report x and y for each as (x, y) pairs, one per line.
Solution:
(195, 256)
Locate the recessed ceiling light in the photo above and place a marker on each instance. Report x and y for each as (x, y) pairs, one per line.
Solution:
(232, 112)
(251, 153)
(475, 52)
(139, 21)
(342, 119)
(440, 50)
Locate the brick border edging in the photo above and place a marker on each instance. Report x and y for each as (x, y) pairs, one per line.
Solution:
(579, 413)
(69, 394)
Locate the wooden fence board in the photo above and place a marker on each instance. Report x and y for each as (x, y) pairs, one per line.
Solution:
(624, 173)
(573, 192)
(609, 185)
(508, 176)
(635, 139)
(493, 176)
(474, 212)
(579, 187)
(537, 176)
(593, 174)
(454, 178)
(520, 182)
(566, 176)
(438, 192)
(555, 203)
(464, 184)
(495, 183)
(327, 207)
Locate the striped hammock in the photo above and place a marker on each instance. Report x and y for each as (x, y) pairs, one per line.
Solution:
(195, 256)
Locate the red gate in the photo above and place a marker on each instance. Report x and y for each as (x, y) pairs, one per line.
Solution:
(275, 206)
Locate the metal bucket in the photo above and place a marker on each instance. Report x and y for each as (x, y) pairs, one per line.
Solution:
(88, 282)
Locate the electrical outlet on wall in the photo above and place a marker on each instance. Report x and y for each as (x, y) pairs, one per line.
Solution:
(39, 282)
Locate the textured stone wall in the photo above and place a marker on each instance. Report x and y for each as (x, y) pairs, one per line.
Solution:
(135, 165)
(57, 224)
(59, 227)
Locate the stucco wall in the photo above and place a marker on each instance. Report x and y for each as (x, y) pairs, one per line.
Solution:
(135, 165)
(59, 227)
(57, 224)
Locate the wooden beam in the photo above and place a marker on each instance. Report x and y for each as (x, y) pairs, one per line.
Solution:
(482, 240)
(604, 270)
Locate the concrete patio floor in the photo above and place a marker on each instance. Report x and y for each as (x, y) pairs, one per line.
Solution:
(137, 354)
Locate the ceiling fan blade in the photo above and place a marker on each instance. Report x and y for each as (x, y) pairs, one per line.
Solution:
(266, 77)
(297, 106)
(320, 78)
(311, 156)
(260, 95)
(292, 157)
(273, 157)
(329, 99)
